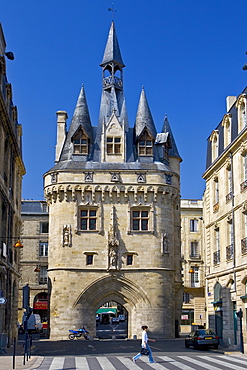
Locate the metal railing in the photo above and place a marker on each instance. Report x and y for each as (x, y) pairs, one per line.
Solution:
(216, 257)
(244, 246)
(229, 252)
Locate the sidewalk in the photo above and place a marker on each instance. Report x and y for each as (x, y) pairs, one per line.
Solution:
(6, 360)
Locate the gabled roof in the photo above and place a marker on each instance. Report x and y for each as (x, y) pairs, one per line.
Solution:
(112, 50)
(144, 117)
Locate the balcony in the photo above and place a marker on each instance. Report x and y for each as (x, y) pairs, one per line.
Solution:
(216, 257)
(243, 186)
(244, 246)
(216, 207)
(229, 197)
(229, 252)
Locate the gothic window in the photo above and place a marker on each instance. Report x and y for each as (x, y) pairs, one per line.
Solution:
(140, 219)
(88, 219)
(113, 145)
(43, 249)
(194, 225)
(80, 143)
(145, 144)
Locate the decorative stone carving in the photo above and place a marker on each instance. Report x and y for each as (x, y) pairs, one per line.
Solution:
(66, 236)
(113, 243)
(164, 244)
(88, 176)
(141, 177)
(54, 177)
(115, 177)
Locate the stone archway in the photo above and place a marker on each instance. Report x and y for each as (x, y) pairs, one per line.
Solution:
(113, 288)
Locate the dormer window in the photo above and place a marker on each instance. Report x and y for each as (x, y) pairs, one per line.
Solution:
(145, 145)
(113, 145)
(80, 143)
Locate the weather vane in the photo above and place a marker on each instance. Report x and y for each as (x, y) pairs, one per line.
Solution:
(112, 10)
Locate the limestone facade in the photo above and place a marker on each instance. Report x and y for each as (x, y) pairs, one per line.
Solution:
(192, 248)
(114, 214)
(34, 257)
(225, 222)
(11, 171)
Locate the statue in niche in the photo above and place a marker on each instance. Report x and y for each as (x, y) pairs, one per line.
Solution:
(113, 243)
(165, 246)
(66, 236)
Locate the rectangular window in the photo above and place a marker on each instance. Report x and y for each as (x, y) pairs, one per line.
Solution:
(44, 227)
(88, 219)
(193, 225)
(194, 250)
(195, 278)
(140, 220)
(43, 275)
(129, 260)
(43, 249)
(89, 259)
(113, 145)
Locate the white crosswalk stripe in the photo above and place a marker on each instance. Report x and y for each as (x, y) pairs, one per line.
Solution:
(180, 365)
(105, 363)
(224, 363)
(195, 362)
(199, 363)
(57, 363)
(81, 363)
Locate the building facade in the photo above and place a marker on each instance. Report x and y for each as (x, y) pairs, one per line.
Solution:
(34, 257)
(192, 248)
(11, 172)
(114, 214)
(225, 217)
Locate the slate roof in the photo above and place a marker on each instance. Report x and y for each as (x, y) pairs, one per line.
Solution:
(112, 50)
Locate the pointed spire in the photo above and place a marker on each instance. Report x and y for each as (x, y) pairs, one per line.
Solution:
(112, 50)
(173, 152)
(80, 118)
(144, 117)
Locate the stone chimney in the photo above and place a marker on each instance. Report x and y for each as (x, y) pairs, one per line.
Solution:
(61, 132)
(230, 100)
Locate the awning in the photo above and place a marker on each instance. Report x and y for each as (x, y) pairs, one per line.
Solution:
(106, 310)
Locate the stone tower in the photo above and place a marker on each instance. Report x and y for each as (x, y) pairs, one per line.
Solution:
(114, 198)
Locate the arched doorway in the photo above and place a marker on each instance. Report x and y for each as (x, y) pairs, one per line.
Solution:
(129, 298)
(111, 321)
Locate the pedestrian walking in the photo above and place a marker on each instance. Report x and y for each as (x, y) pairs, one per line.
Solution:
(145, 345)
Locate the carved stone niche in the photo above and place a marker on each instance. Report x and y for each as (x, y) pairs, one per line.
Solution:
(67, 236)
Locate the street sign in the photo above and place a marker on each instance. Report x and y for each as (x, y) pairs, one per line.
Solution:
(3, 300)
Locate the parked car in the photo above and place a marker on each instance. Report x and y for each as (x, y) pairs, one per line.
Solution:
(115, 320)
(202, 338)
(121, 317)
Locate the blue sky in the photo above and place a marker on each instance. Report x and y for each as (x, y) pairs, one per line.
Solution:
(188, 55)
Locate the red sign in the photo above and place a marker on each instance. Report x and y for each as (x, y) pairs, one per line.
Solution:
(41, 305)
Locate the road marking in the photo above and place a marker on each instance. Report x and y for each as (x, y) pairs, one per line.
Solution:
(176, 363)
(128, 363)
(154, 366)
(57, 363)
(232, 358)
(196, 362)
(81, 363)
(105, 363)
(223, 363)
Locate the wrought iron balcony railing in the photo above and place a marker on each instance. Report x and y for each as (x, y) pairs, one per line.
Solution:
(229, 252)
(216, 257)
(243, 186)
(195, 255)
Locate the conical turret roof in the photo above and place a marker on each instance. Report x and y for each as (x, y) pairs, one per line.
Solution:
(144, 117)
(112, 50)
(173, 151)
(80, 118)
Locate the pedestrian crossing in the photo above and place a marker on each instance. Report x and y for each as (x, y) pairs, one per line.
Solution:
(197, 362)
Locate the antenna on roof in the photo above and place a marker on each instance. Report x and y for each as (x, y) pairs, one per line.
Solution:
(112, 10)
